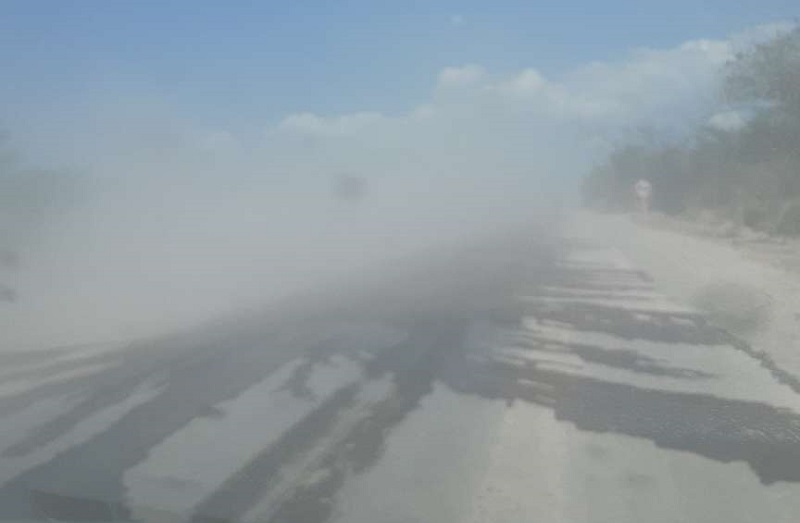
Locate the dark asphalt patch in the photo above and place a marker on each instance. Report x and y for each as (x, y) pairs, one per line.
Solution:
(627, 359)
(94, 469)
(662, 327)
(414, 367)
(765, 437)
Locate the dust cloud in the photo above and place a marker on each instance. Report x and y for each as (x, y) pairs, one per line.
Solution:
(180, 220)
(173, 228)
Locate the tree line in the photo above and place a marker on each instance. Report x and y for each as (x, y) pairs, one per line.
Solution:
(745, 169)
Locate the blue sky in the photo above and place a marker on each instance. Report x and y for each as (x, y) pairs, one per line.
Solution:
(243, 63)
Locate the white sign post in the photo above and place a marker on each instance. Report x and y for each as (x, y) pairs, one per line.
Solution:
(644, 192)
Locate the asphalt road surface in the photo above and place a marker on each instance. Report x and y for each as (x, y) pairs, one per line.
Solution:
(529, 377)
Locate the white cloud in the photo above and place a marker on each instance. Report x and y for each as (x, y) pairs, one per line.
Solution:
(652, 85)
(513, 132)
(760, 33)
(457, 20)
(460, 76)
(309, 123)
(526, 82)
(728, 120)
(423, 112)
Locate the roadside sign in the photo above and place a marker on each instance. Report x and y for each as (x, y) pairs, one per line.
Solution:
(644, 191)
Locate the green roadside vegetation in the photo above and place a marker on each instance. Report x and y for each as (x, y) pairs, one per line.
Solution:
(745, 170)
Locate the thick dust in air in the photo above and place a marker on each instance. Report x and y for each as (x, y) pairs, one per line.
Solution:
(157, 229)
(145, 220)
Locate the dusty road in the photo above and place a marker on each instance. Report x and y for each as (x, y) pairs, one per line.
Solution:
(519, 379)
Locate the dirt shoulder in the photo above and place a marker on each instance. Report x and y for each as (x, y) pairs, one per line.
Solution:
(750, 288)
(778, 251)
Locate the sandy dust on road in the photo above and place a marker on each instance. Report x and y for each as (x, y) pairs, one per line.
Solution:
(737, 287)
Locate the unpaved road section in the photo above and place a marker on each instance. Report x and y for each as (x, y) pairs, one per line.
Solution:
(526, 378)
